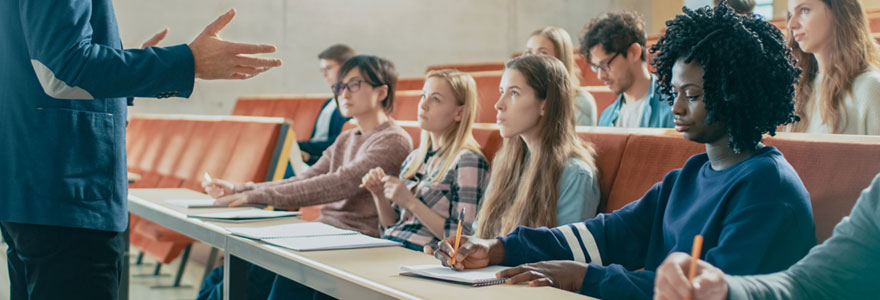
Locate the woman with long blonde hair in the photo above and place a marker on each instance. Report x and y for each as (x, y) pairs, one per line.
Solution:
(544, 174)
(556, 42)
(445, 176)
(840, 88)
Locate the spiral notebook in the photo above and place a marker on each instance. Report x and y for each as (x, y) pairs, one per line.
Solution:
(476, 277)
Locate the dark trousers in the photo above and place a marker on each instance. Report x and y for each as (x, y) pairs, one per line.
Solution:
(53, 262)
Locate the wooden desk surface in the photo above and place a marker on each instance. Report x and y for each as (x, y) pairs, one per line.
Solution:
(346, 274)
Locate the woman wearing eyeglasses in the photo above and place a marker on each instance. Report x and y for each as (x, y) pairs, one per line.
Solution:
(365, 92)
(445, 176)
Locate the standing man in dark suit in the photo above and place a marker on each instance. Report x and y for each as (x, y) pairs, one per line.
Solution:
(63, 88)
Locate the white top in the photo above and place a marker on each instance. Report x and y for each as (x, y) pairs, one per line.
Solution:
(631, 113)
(862, 107)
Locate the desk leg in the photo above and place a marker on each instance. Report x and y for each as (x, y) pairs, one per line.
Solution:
(234, 277)
(123, 282)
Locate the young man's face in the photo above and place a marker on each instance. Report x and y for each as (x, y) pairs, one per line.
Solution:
(611, 68)
(329, 68)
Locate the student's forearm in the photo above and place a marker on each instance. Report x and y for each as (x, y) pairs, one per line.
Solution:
(387, 215)
(428, 217)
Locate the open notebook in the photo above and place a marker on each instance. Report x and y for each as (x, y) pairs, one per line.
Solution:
(305, 229)
(330, 242)
(475, 277)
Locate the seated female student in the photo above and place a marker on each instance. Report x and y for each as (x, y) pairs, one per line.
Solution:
(841, 83)
(731, 80)
(843, 267)
(544, 174)
(365, 92)
(445, 176)
(556, 42)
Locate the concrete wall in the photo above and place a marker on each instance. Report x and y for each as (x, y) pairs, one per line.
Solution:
(411, 33)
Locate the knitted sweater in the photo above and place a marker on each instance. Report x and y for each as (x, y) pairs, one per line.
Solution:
(334, 180)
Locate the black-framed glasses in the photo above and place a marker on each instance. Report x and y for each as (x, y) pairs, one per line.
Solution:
(604, 66)
(351, 86)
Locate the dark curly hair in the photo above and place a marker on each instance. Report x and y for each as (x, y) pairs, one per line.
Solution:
(749, 77)
(615, 31)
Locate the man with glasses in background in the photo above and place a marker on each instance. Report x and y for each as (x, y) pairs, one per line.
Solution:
(614, 47)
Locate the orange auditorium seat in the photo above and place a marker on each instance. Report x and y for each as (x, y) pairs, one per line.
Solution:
(406, 105)
(410, 83)
(470, 67)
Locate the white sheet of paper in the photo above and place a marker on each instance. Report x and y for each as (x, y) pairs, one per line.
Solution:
(192, 203)
(245, 214)
(331, 242)
(289, 230)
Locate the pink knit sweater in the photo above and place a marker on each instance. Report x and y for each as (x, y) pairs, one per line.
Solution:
(334, 180)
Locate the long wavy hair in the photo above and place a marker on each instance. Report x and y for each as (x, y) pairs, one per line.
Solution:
(851, 51)
(460, 136)
(524, 184)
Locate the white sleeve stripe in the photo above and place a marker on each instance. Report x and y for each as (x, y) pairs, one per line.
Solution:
(56, 88)
(589, 243)
(576, 252)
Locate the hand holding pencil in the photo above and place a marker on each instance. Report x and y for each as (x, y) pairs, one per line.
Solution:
(683, 276)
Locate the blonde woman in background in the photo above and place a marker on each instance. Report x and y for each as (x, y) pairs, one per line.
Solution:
(556, 42)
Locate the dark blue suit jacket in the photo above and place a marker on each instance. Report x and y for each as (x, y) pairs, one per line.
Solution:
(63, 89)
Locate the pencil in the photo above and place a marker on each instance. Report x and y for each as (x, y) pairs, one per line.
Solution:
(458, 235)
(695, 255)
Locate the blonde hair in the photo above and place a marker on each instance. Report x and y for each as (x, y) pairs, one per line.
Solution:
(851, 52)
(460, 136)
(525, 182)
(564, 52)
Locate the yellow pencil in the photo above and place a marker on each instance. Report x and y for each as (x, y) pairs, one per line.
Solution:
(458, 235)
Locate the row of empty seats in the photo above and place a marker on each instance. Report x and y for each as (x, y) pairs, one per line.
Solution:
(173, 151)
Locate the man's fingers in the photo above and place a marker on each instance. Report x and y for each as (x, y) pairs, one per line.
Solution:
(153, 41)
(257, 62)
(245, 48)
(214, 28)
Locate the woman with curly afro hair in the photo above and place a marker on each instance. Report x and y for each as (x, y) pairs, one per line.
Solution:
(732, 80)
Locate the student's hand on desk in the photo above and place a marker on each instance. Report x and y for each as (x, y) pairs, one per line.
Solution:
(233, 200)
(372, 181)
(562, 274)
(473, 253)
(671, 280)
(396, 191)
(305, 155)
(215, 58)
(217, 188)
